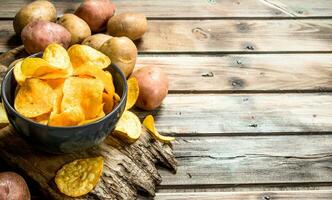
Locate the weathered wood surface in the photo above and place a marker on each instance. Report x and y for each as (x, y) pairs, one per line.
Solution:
(228, 114)
(241, 73)
(198, 8)
(221, 36)
(275, 195)
(127, 168)
(245, 160)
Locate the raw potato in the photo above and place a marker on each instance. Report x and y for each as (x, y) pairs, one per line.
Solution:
(124, 58)
(37, 35)
(77, 27)
(95, 41)
(128, 128)
(37, 10)
(153, 87)
(96, 13)
(130, 24)
(13, 186)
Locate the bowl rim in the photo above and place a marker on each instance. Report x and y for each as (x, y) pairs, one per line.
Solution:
(5, 99)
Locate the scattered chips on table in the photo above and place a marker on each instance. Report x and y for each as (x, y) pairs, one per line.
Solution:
(52, 92)
(133, 92)
(80, 176)
(128, 128)
(148, 122)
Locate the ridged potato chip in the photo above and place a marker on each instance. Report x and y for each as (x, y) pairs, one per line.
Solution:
(34, 98)
(84, 92)
(98, 73)
(19, 76)
(148, 122)
(80, 176)
(57, 56)
(128, 128)
(83, 54)
(133, 92)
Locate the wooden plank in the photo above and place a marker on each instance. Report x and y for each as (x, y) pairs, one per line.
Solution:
(275, 195)
(228, 73)
(244, 160)
(196, 114)
(194, 8)
(222, 36)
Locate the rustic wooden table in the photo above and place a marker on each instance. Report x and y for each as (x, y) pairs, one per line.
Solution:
(249, 101)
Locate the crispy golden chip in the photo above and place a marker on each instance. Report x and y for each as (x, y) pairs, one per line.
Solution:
(70, 117)
(55, 83)
(133, 92)
(42, 119)
(35, 67)
(148, 122)
(57, 56)
(106, 78)
(3, 115)
(80, 176)
(34, 98)
(83, 54)
(101, 115)
(108, 103)
(128, 128)
(19, 76)
(83, 92)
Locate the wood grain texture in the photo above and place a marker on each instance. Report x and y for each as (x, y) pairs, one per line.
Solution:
(224, 161)
(275, 195)
(221, 36)
(244, 73)
(199, 8)
(127, 168)
(196, 114)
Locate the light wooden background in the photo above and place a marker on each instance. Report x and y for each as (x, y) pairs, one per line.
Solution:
(250, 93)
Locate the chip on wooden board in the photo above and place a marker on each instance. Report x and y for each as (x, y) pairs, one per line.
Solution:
(83, 54)
(128, 128)
(80, 176)
(148, 122)
(34, 98)
(133, 92)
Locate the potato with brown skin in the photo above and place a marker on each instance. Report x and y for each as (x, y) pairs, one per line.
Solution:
(95, 41)
(13, 187)
(153, 87)
(77, 27)
(37, 10)
(38, 34)
(122, 52)
(96, 13)
(130, 24)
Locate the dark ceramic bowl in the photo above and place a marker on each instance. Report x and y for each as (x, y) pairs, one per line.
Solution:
(63, 139)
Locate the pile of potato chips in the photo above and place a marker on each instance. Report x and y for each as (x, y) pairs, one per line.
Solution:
(65, 88)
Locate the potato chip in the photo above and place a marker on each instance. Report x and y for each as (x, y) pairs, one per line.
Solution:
(19, 76)
(70, 117)
(98, 73)
(108, 103)
(80, 176)
(84, 92)
(3, 115)
(42, 119)
(133, 92)
(55, 83)
(128, 128)
(101, 115)
(38, 67)
(34, 98)
(57, 56)
(148, 122)
(83, 54)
